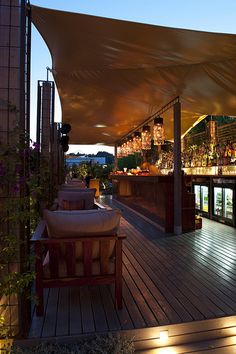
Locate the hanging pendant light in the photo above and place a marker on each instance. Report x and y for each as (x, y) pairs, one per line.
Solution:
(158, 131)
(146, 137)
(212, 131)
(137, 142)
(129, 145)
(124, 149)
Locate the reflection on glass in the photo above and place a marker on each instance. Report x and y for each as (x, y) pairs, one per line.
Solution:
(204, 198)
(228, 203)
(197, 197)
(218, 201)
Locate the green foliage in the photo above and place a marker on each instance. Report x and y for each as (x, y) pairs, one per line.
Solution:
(109, 344)
(131, 161)
(109, 157)
(19, 213)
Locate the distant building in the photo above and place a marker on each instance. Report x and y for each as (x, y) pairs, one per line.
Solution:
(77, 160)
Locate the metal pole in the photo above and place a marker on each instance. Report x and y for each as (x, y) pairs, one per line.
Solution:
(177, 170)
(116, 160)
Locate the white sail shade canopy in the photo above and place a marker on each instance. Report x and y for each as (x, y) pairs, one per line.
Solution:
(112, 75)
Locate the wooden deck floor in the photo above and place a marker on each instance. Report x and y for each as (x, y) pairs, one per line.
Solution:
(166, 280)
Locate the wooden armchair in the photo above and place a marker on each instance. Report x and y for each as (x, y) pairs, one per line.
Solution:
(79, 260)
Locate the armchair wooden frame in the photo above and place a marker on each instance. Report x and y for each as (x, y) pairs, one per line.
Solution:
(54, 246)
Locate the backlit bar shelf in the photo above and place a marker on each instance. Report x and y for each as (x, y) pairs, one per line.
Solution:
(206, 171)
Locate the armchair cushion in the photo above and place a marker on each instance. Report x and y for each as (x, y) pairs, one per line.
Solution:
(73, 204)
(63, 223)
(87, 197)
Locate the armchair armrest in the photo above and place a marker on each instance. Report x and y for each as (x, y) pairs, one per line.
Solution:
(121, 236)
(39, 231)
(99, 206)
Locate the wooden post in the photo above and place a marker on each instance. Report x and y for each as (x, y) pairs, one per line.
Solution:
(116, 160)
(177, 170)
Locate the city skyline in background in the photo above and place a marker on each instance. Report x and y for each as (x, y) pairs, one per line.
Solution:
(208, 15)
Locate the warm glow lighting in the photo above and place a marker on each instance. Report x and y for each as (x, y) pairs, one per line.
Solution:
(164, 335)
(119, 152)
(146, 137)
(124, 149)
(129, 145)
(166, 351)
(158, 131)
(212, 131)
(100, 126)
(193, 125)
(137, 142)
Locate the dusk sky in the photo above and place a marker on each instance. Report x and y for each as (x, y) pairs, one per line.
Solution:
(206, 15)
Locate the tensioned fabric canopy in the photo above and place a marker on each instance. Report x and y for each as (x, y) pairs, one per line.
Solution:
(112, 75)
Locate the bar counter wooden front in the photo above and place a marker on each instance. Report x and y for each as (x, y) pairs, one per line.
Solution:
(153, 196)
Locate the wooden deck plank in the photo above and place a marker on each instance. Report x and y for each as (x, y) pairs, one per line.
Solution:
(109, 308)
(201, 288)
(123, 314)
(181, 270)
(140, 301)
(148, 292)
(75, 323)
(179, 313)
(98, 310)
(216, 259)
(211, 286)
(50, 318)
(88, 324)
(161, 299)
(132, 307)
(204, 270)
(62, 327)
(37, 322)
(228, 286)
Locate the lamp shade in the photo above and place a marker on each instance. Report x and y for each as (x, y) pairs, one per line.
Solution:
(146, 137)
(124, 149)
(158, 131)
(129, 144)
(137, 142)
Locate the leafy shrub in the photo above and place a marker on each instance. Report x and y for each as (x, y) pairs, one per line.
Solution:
(105, 344)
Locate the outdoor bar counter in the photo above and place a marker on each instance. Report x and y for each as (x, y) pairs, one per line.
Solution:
(153, 196)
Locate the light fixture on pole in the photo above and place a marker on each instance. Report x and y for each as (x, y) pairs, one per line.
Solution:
(146, 137)
(158, 131)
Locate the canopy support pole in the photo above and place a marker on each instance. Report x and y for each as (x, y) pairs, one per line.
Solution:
(177, 170)
(116, 159)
